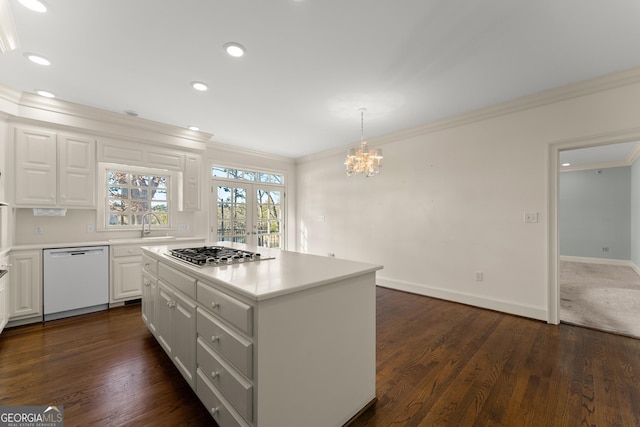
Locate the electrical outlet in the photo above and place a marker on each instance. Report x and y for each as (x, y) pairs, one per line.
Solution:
(478, 276)
(37, 230)
(531, 217)
(91, 228)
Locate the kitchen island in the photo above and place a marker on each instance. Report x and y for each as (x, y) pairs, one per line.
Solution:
(285, 341)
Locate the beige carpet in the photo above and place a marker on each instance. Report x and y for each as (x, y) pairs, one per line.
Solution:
(600, 296)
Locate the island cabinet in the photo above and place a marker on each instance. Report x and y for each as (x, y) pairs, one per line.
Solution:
(288, 341)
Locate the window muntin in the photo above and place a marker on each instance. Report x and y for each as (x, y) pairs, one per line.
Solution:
(131, 194)
(246, 175)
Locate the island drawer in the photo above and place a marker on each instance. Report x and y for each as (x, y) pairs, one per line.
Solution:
(233, 347)
(230, 309)
(150, 264)
(179, 280)
(235, 388)
(216, 404)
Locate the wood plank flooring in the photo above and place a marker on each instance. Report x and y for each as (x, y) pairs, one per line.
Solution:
(439, 364)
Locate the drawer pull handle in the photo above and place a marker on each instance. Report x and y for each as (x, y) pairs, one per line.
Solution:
(215, 374)
(146, 265)
(215, 304)
(215, 338)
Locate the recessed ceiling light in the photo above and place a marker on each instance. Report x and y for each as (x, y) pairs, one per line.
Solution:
(131, 113)
(37, 59)
(45, 93)
(35, 5)
(199, 86)
(234, 49)
(193, 128)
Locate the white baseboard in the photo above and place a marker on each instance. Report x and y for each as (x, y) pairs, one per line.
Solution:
(510, 307)
(622, 262)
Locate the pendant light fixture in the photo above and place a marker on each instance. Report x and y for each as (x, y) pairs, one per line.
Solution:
(363, 160)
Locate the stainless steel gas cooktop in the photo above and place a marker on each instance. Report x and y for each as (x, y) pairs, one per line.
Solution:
(215, 255)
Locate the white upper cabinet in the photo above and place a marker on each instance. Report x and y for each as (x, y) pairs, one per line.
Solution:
(191, 184)
(77, 169)
(54, 169)
(36, 168)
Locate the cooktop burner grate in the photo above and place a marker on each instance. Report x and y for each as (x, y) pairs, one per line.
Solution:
(215, 255)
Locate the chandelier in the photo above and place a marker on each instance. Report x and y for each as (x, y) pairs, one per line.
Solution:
(365, 161)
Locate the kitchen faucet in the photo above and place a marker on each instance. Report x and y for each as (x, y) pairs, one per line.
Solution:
(149, 230)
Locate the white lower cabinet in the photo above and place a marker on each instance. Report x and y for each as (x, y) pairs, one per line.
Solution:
(149, 296)
(126, 273)
(176, 328)
(219, 407)
(25, 287)
(303, 358)
(4, 295)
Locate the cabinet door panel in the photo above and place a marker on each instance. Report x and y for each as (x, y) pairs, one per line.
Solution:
(77, 171)
(127, 278)
(164, 322)
(36, 175)
(184, 346)
(25, 295)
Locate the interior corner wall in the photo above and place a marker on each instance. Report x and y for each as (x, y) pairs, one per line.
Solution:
(450, 202)
(595, 213)
(635, 213)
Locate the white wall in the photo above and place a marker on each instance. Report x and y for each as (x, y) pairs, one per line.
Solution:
(451, 198)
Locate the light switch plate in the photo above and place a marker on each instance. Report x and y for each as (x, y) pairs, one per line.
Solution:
(531, 217)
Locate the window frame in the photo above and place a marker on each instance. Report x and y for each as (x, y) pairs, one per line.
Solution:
(103, 208)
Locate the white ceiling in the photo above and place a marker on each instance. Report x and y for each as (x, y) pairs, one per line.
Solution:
(311, 64)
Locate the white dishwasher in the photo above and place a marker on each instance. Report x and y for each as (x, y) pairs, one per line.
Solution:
(76, 281)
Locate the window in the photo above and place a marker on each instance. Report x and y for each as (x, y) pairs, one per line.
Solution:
(132, 192)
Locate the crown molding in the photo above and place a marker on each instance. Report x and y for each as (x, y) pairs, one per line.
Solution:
(246, 151)
(30, 108)
(547, 97)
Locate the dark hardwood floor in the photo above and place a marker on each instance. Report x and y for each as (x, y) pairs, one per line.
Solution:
(439, 364)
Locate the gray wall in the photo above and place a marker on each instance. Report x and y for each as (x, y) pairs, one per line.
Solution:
(595, 213)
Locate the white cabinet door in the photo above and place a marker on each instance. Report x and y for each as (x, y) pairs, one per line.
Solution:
(54, 170)
(127, 278)
(36, 174)
(77, 171)
(25, 285)
(164, 313)
(4, 303)
(191, 184)
(149, 293)
(184, 348)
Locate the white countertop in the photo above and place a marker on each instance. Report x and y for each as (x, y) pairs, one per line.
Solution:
(259, 280)
(110, 242)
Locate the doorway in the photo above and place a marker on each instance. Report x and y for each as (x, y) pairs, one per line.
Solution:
(248, 213)
(586, 156)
